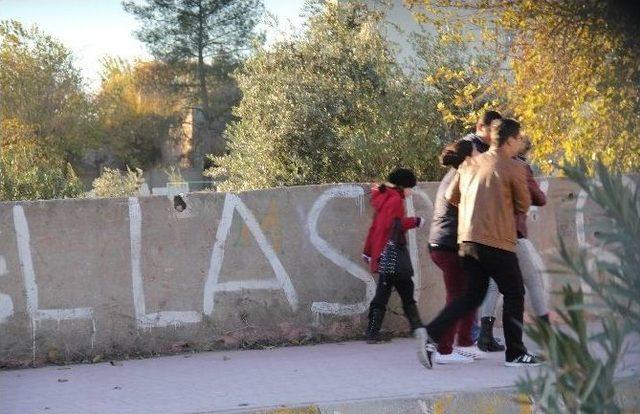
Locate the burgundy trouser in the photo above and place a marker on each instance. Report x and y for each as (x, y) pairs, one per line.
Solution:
(455, 282)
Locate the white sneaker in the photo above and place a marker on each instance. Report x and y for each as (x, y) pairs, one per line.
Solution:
(426, 348)
(452, 358)
(470, 352)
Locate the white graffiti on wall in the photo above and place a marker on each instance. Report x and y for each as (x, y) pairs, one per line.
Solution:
(328, 308)
(212, 285)
(37, 315)
(6, 304)
(144, 319)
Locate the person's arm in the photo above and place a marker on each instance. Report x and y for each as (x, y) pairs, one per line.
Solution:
(537, 195)
(397, 211)
(452, 195)
(519, 189)
(366, 252)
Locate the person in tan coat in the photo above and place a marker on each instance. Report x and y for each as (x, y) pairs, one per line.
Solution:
(488, 190)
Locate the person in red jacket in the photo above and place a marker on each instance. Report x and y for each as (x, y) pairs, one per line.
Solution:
(388, 202)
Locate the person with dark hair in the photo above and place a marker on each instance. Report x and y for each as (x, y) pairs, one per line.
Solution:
(391, 222)
(488, 189)
(443, 249)
(481, 138)
(531, 276)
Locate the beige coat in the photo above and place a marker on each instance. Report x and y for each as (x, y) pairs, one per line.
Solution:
(488, 190)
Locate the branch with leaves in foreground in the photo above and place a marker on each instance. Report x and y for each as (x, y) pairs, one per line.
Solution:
(578, 376)
(574, 378)
(613, 277)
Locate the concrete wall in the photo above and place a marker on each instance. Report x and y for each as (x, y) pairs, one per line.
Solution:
(88, 277)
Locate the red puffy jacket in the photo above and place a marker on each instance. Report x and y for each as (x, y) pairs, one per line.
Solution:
(388, 204)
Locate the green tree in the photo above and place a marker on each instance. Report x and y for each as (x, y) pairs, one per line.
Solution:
(329, 105)
(202, 36)
(40, 87)
(30, 171)
(115, 183)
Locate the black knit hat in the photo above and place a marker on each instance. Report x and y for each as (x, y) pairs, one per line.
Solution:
(402, 177)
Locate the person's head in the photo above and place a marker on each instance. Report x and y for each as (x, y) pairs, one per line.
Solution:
(484, 124)
(403, 178)
(505, 134)
(454, 154)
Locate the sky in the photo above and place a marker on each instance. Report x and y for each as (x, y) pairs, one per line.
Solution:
(92, 29)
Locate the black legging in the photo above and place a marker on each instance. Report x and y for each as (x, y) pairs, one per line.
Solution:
(404, 286)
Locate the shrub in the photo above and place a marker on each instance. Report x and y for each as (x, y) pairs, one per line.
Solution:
(115, 183)
(575, 378)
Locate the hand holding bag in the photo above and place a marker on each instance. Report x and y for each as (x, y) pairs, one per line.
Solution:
(395, 260)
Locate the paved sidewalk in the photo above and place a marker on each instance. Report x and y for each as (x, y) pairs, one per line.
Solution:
(250, 380)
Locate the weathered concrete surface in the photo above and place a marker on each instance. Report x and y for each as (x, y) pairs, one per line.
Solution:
(346, 378)
(80, 278)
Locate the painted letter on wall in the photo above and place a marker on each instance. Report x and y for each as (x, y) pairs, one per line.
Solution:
(144, 319)
(282, 281)
(6, 304)
(36, 314)
(344, 191)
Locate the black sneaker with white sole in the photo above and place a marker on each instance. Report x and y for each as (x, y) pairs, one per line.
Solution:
(426, 348)
(524, 360)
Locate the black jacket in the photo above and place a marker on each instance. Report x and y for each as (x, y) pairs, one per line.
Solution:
(478, 143)
(444, 226)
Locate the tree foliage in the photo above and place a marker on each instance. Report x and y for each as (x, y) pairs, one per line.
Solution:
(576, 86)
(136, 107)
(30, 171)
(459, 75)
(115, 183)
(200, 38)
(611, 270)
(40, 87)
(329, 105)
(184, 30)
(574, 71)
(576, 379)
(45, 116)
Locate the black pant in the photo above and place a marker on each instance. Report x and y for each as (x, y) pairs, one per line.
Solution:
(404, 286)
(481, 262)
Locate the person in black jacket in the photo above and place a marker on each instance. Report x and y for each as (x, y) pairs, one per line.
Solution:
(443, 248)
(481, 139)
